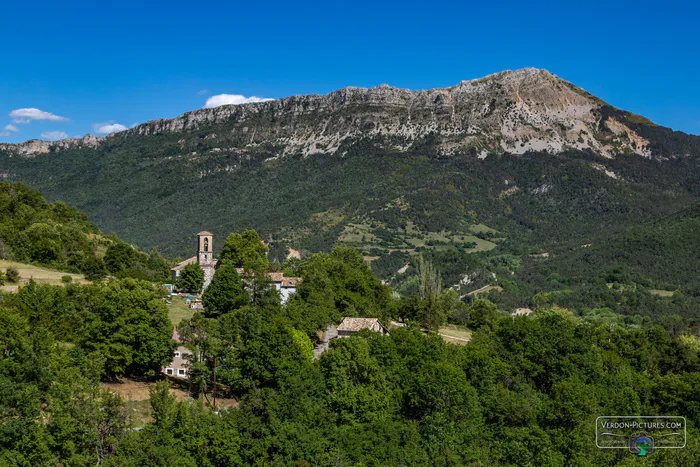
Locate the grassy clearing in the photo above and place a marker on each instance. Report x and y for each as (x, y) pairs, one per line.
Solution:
(454, 330)
(178, 310)
(482, 245)
(40, 274)
(661, 293)
(362, 235)
(481, 228)
(358, 233)
(328, 218)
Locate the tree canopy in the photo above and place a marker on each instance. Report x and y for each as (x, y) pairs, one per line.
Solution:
(245, 250)
(226, 291)
(191, 278)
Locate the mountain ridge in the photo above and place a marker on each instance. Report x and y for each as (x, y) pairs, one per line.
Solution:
(380, 168)
(507, 112)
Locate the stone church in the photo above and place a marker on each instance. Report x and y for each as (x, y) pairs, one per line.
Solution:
(205, 258)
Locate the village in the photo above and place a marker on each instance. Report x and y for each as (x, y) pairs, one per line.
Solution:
(284, 285)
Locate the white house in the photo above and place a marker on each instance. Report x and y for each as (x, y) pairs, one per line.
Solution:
(178, 366)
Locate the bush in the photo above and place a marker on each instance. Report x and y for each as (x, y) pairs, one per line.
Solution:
(12, 274)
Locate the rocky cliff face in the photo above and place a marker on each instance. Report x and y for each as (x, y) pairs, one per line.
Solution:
(35, 147)
(512, 111)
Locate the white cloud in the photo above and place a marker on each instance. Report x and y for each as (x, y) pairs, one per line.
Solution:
(24, 115)
(232, 99)
(107, 128)
(11, 128)
(203, 92)
(54, 135)
(21, 121)
(5, 133)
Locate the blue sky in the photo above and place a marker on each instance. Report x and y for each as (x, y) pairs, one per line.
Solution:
(90, 65)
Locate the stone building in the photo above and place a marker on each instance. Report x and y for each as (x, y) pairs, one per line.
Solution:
(350, 326)
(205, 259)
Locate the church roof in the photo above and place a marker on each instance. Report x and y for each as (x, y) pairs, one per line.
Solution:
(204, 232)
(184, 263)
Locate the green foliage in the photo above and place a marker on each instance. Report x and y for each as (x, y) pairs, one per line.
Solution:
(125, 323)
(245, 250)
(60, 236)
(122, 260)
(302, 343)
(12, 274)
(335, 285)
(483, 314)
(226, 291)
(191, 278)
(128, 324)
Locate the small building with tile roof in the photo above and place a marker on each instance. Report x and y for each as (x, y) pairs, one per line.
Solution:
(350, 326)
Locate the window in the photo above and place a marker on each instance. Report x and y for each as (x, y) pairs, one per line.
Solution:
(181, 372)
(206, 245)
(169, 371)
(177, 354)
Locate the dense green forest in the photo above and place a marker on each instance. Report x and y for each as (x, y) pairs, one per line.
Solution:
(524, 391)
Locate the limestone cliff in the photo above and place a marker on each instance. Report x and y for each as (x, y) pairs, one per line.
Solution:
(512, 111)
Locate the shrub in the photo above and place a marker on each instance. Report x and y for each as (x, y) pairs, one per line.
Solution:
(12, 274)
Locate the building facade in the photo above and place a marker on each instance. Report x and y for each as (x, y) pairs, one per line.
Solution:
(178, 366)
(205, 259)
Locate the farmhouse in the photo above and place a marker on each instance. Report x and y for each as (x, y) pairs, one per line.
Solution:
(178, 366)
(350, 326)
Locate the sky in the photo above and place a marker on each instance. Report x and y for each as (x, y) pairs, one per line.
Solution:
(73, 68)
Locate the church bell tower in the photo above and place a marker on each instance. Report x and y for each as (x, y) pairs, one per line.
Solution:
(205, 254)
(205, 257)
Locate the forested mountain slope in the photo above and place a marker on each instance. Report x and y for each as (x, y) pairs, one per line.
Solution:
(516, 163)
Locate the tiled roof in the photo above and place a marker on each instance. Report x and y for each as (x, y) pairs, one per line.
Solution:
(182, 265)
(356, 324)
(277, 277)
(204, 232)
(290, 281)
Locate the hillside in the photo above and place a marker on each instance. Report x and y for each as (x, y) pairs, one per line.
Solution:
(61, 237)
(515, 163)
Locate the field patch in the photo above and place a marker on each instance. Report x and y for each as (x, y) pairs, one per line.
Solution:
(178, 310)
(40, 274)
